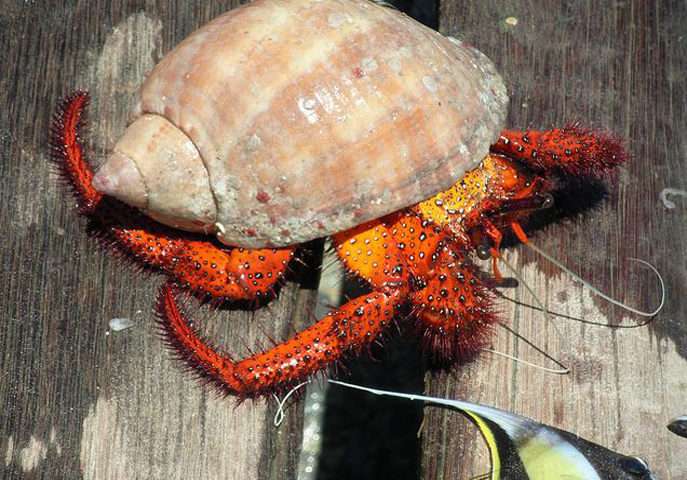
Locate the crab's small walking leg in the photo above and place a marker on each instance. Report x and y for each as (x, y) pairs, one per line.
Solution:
(454, 310)
(200, 264)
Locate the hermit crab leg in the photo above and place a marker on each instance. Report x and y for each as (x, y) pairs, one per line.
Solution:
(368, 251)
(67, 153)
(573, 149)
(349, 328)
(454, 311)
(200, 264)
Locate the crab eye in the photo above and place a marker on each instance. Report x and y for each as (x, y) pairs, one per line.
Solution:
(634, 465)
(483, 252)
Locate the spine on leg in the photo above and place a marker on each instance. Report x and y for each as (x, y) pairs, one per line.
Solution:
(350, 328)
(573, 149)
(67, 153)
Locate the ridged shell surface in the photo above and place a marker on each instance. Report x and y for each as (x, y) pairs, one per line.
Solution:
(313, 116)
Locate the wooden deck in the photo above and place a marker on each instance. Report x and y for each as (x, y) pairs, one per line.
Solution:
(79, 400)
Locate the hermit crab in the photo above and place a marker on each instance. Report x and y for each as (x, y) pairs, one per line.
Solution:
(288, 120)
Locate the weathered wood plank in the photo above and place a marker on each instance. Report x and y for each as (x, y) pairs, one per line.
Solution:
(620, 66)
(76, 399)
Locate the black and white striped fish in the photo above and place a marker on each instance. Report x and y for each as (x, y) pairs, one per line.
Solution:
(522, 449)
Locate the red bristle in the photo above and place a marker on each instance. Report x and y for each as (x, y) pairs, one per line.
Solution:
(573, 150)
(353, 326)
(67, 153)
(454, 311)
(198, 356)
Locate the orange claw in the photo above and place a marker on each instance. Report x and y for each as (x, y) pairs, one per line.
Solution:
(573, 149)
(453, 311)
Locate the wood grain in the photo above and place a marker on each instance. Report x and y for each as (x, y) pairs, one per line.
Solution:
(78, 400)
(619, 66)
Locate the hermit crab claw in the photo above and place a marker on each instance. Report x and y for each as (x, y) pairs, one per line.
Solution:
(157, 168)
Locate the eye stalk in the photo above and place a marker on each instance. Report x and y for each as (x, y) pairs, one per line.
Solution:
(538, 201)
(634, 466)
(507, 211)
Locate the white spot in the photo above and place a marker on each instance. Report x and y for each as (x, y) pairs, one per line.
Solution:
(32, 454)
(262, 107)
(220, 228)
(337, 19)
(307, 108)
(369, 65)
(395, 64)
(119, 324)
(511, 21)
(671, 191)
(405, 51)
(429, 84)
(325, 98)
(253, 143)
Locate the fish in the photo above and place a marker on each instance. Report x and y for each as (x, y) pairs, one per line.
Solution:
(678, 426)
(522, 449)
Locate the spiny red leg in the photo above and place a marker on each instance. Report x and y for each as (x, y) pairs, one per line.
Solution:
(67, 152)
(573, 149)
(235, 273)
(454, 310)
(350, 328)
(200, 264)
(369, 251)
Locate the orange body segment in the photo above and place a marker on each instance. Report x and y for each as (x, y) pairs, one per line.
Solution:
(369, 251)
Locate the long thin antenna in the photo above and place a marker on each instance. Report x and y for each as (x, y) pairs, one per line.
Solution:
(562, 371)
(600, 293)
(279, 416)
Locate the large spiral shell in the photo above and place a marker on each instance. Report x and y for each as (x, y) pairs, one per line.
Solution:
(286, 120)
